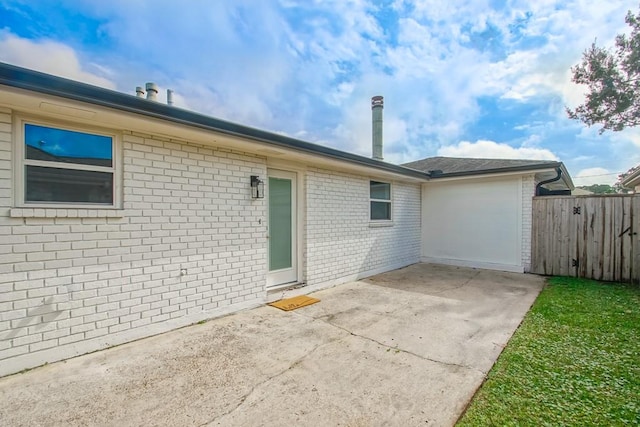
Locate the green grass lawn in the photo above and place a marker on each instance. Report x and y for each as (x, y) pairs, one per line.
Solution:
(575, 360)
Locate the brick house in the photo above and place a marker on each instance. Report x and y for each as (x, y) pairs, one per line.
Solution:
(121, 217)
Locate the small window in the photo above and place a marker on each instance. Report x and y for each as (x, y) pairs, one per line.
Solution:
(380, 195)
(63, 166)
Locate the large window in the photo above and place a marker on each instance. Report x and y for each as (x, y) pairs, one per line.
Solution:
(67, 167)
(380, 195)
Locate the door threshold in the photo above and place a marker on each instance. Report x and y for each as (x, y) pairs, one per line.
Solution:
(279, 290)
(286, 286)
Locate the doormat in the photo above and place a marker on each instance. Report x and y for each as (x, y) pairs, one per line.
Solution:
(293, 303)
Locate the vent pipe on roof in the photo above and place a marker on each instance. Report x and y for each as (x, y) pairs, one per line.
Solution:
(169, 97)
(377, 104)
(139, 92)
(152, 91)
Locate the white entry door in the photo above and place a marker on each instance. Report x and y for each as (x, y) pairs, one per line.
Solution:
(282, 236)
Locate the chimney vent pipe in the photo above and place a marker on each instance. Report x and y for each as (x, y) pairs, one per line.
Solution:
(169, 97)
(152, 91)
(139, 92)
(377, 104)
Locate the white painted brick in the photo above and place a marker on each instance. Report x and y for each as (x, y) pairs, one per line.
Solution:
(14, 351)
(119, 327)
(44, 274)
(69, 322)
(12, 277)
(13, 239)
(11, 296)
(71, 338)
(56, 334)
(25, 303)
(38, 238)
(58, 264)
(528, 191)
(345, 245)
(43, 345)
(83, 311)
(28, 339)
(82, 328)
(41, 256)
(96, 333)
(185, 206)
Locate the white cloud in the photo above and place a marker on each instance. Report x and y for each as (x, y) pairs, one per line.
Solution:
(568, 29)
(592, 176)
(310, 68)
(629, 135)
(495, 150)
(50, 57)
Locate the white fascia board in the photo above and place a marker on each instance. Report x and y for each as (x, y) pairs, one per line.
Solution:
(632, 180)
(435, 181)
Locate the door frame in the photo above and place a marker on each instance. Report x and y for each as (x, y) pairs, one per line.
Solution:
(297, 229)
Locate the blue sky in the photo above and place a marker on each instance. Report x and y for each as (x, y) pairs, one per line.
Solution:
(487, 78)
(69, 144)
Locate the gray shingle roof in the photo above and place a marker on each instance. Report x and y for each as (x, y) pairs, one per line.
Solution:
(452, 166)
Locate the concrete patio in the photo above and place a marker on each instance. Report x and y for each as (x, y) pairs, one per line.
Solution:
(408, 347)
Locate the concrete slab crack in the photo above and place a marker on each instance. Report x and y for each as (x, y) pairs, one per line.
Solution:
(419, 356)
(244, 398)
(476, 274)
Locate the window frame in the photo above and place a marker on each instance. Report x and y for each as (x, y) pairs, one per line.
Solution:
(389, 201)
(21, 162)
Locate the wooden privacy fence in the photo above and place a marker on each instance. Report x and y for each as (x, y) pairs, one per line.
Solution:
(595, 237)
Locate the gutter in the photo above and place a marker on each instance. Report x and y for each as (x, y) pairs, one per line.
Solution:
(35, 81)
(438, 174)
(555, 166)
(548, 181)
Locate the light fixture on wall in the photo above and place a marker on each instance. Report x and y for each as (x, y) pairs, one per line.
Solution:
(257, 187)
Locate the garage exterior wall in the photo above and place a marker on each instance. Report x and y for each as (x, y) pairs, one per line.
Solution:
(478, 222)
(342, 243)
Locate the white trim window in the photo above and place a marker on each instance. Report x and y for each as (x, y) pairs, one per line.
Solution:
(380, 204)
(62, 166)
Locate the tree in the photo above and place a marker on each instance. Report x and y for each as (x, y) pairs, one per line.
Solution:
(613, 80)
(599, 188)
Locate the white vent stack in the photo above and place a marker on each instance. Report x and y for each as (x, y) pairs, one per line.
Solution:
(152, 91)
(377, 104)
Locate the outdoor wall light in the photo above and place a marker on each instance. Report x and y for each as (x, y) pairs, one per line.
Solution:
(257, 187)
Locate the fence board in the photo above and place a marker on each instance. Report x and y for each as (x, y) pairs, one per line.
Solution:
(634, 259)
(625, 241)
(587, 236)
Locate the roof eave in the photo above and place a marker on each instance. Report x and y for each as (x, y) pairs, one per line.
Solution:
(566, 177)
(513, 170)
(34, 81)
(632, 180)
(527, 168)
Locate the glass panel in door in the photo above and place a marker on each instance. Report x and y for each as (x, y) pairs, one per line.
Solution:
(280, 224)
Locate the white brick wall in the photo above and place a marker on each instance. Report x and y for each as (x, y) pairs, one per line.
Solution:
(341, 243)
(78, 280)
(528, 191)
(5, 164)
(83, 279)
